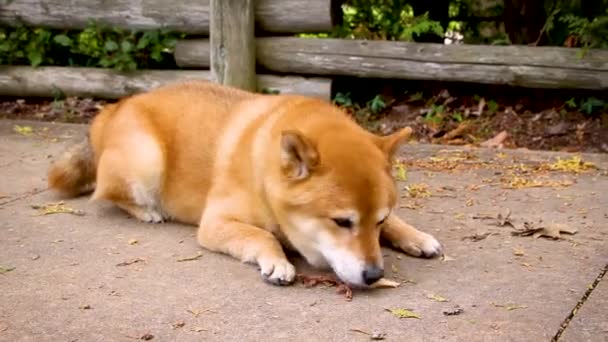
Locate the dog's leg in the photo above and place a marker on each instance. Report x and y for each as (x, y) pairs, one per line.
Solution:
(248, 244)
(408, 239)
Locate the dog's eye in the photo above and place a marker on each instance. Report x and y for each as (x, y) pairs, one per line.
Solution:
(343, 222)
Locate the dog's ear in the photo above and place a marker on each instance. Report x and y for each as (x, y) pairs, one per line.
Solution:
(298, 155)
(390, 143)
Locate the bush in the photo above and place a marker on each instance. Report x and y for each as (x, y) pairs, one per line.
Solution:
(94, 46)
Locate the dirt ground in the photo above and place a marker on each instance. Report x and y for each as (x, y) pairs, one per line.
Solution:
(82, 271)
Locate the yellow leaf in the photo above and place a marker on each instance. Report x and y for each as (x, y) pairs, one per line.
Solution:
(133, 241)
(23, 130)
(403, 313)
(437, 298)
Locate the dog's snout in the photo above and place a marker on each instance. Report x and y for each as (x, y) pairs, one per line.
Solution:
(372, 274)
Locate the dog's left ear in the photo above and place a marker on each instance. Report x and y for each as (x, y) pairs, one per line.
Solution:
(298, 155)
(390, 143)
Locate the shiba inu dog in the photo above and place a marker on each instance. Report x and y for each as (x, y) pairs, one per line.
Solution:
(255, 172)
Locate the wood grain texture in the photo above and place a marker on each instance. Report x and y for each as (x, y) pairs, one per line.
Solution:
(232, 40)
(189, 16)
(541, 67)
(104, 83)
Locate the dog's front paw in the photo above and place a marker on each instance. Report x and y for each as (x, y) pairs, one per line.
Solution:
(277, 271)
(422, 245)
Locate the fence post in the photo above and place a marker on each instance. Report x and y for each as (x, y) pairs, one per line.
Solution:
(232, 39)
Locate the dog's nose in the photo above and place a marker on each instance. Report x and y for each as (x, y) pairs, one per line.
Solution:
(372, 274)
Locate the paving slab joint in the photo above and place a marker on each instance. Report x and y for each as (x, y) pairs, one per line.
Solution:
(578, 305)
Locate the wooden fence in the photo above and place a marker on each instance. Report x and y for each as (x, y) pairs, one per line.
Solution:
(229, 51)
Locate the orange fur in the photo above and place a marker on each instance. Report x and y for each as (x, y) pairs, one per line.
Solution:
(255, 172)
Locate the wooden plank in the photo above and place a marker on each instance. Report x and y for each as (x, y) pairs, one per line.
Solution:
(232, 39)
(188, 16)
(106, 83)
(541, 67)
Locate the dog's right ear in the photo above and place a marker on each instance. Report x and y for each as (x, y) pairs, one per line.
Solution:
(298, 155)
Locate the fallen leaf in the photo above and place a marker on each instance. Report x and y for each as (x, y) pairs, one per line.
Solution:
(518, 251)
(4, 270)
(574, 165)
(146, 337)
(385, 283)
(436, 298)
(552, 231)
(403, 313)
(497, 141)
(85, 307)
(57, 208)
(420, 190)
(510, 307)
(374, 336)
(480, 106)
(446, 258)
(133, 241)
(23, 130)
(35, 257)
(327, 280)
(477, 237)
(130, 262)
(178, 324)
(401, 171)
(456, 310)
(198, 329)
(192, 258)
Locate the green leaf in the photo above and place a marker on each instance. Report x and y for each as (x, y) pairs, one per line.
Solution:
(110, 46)
(35, 57)
(126, 46)
(142, 43)
(62, 40)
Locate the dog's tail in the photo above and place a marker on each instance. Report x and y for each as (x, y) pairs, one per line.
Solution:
(73, 173)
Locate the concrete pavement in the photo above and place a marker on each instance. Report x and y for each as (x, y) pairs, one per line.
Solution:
(64, 276)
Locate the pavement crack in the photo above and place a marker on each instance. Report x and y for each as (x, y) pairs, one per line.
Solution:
(580, 303)
(22, 196)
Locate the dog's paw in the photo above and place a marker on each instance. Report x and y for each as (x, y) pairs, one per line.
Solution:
(277, 271)
(423, 245)
(151, 216)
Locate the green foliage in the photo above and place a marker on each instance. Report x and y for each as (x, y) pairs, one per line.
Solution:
(435, 114)
(94, 46)
(384, 20)
(492, 106)
(591, 104)
(376, 105)
(342, 99)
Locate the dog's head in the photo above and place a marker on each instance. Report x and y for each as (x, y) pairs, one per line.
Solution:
(336, 190)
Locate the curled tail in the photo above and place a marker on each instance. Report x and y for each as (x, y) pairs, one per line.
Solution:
(73, 173)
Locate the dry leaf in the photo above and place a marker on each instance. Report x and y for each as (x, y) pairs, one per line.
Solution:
(477, 237)
(385, 283)
(130, 262)
(23, 130)
(133, 242)
(192, 258)
(178, 324)
(456, 310)
(552, 231)
(403, 313)
(510, 307)
(518, 251)
(4, 270)
(437, 298)
(401, 171)
(198, 329)
(56, 208)
(446, 258)
(420, 190)
(480, 106)
(574, 165)
(497, 141)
